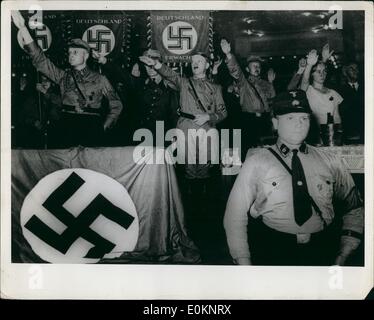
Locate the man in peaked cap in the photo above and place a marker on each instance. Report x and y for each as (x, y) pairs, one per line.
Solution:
(83, 120)
(202, 108)
(255, 94)
(288, 190)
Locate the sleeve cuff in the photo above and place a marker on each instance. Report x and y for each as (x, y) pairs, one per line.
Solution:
(348, 244)
(31, 47)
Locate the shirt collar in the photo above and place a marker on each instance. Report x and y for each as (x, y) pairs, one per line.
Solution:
(83, 72)
(253, 78)
(285, 151)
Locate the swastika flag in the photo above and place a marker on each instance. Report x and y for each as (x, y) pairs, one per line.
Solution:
(178, 36)
(104, 32)
(95, 205)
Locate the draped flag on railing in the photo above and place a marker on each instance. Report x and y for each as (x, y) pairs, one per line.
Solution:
(87, 205)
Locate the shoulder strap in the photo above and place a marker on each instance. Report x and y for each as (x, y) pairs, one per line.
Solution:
(281, 160)
(316, 208)
(196, 96)
(257, 93)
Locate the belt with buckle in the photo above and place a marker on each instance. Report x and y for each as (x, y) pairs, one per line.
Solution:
(85, 111)
(186, 115)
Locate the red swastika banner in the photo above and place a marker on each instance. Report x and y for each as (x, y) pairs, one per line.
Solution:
(179, 34)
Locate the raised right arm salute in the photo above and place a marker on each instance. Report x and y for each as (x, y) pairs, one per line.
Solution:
(201, 106)
(82, 89)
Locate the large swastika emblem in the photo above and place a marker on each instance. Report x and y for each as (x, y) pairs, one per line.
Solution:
(179, 37)
(79, 216)
(42, 35)
(100, 38)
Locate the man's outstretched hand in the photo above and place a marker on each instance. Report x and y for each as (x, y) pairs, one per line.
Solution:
(18, 19)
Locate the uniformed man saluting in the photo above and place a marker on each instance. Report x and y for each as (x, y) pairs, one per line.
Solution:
(291, 192)
(83, 121)
(202, 107)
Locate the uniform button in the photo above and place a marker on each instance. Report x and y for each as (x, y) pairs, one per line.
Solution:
(299, 183)
(274, 184)
(154, 98)
(152, 104)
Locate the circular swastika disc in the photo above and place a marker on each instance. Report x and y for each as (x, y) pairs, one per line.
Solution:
(179, 37)
(100, 38)
(79, 216)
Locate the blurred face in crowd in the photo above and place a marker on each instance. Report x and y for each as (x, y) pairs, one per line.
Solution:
(352, 72)
(254, 68)
(292, 127)
(319, 74)
(77, 57)
(199, 65)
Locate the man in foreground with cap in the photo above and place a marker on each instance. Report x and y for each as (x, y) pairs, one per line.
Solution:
(254, 97)
(154, 99)
(82, 90)
(294, 198)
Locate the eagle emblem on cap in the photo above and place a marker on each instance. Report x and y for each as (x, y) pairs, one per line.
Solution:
(293, 94)
(295, 103)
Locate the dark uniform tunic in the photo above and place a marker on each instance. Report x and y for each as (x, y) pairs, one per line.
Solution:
(151, 101)
(82, 122)
(352, 111)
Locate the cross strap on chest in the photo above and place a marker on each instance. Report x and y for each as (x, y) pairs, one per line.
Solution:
(289, 170)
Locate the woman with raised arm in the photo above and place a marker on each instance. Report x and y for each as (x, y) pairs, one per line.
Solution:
(323, 101)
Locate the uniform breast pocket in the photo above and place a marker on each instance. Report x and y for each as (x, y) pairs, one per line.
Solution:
(276, 189)
(323, 186)
(94, 91)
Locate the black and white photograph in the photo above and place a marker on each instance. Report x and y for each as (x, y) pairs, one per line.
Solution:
(228, 142)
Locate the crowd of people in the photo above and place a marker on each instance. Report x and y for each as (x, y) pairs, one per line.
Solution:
(88, 108)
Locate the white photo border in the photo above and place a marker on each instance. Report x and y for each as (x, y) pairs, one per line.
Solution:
(170, 281)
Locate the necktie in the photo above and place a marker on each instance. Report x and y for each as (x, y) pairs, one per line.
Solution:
(301, 199)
